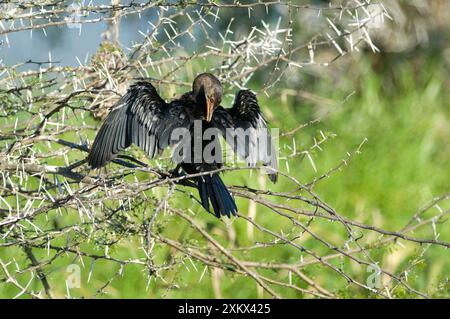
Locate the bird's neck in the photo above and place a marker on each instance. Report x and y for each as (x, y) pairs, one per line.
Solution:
(199, 106)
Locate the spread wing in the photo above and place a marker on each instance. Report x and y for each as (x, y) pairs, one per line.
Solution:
(250, 137)
(140, 117)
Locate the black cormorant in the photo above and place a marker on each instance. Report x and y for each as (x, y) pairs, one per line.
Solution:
(142, 117)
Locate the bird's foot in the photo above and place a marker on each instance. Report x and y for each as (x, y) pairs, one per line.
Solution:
(175, 172)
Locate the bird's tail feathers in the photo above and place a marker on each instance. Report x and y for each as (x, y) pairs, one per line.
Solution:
(212, 190)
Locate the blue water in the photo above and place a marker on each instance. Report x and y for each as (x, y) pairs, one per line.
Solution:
(64, 44)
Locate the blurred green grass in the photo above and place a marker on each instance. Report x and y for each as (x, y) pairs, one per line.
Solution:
(403, 113)
(405, 161)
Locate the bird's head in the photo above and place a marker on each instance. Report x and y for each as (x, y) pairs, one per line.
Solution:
(207, 91)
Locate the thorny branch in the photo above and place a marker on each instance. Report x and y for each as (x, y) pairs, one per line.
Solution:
(52, 204)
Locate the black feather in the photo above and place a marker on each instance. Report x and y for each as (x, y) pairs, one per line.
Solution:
(246, 114)
(137, 118)
(212, 190)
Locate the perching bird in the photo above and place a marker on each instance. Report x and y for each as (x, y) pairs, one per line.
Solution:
(143, 118)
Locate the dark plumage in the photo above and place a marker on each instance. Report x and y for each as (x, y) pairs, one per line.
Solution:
(143, 118)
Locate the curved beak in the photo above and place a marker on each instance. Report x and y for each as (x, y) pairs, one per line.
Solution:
(209, 109)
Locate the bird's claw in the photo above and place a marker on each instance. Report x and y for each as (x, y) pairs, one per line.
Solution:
(175, 172)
